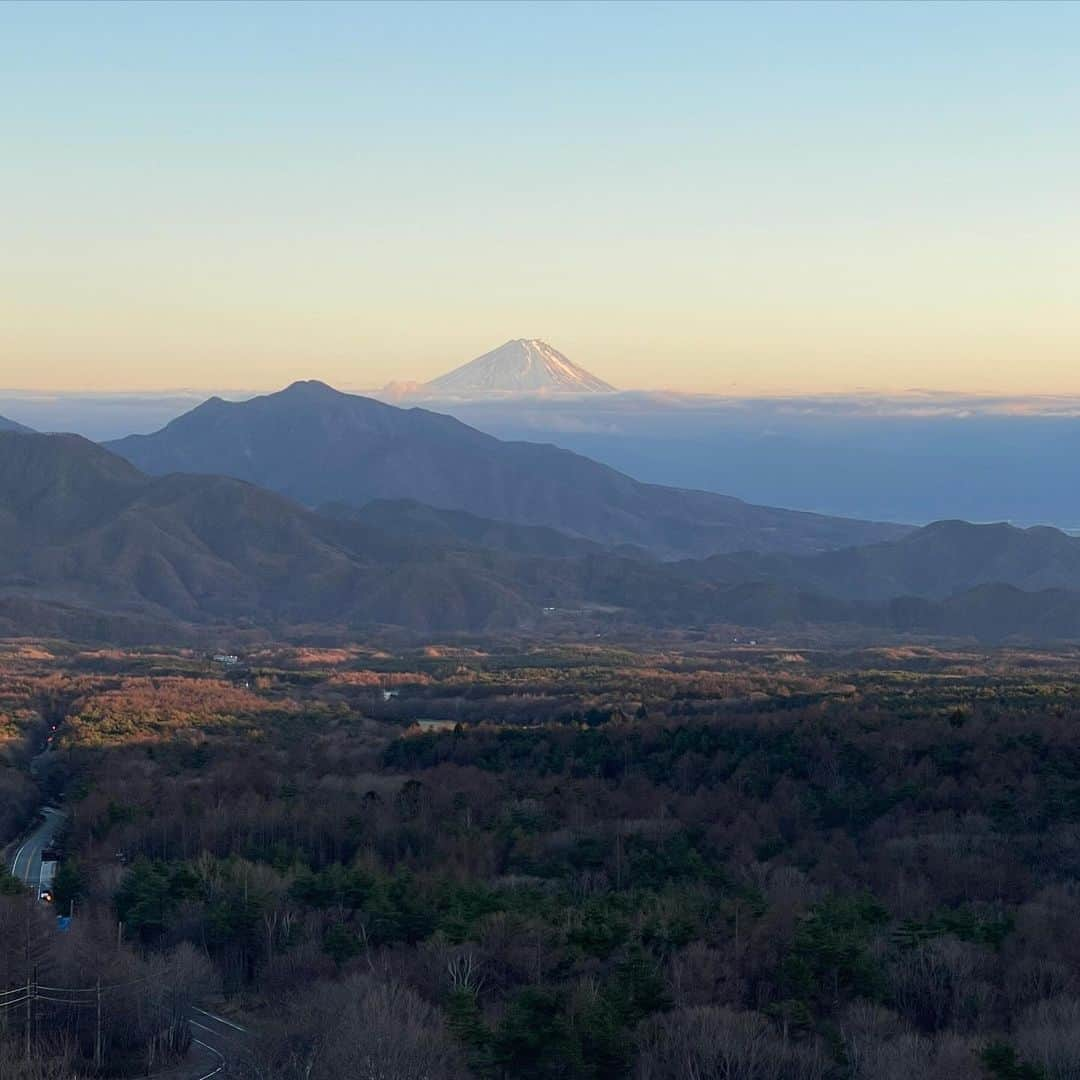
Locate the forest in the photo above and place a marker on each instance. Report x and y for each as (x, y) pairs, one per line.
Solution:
(592, 861)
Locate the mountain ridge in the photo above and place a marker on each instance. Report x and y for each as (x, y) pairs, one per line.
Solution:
(13, 425)
(934, 562)
(92, 548)
(83, 530)
(321, 446)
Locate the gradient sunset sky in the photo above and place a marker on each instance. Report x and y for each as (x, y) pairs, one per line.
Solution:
(729, 198)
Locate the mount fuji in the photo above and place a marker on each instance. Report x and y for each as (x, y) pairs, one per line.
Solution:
(521, 366)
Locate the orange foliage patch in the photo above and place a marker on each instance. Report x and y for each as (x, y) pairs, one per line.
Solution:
(323, 657)
(379, 678)
(146, 708)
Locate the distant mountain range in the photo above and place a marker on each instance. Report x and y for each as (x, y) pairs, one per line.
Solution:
(11, 425)
(319, 446)
(525, 365)
(987, 581)
(91, 547)
(934, 563)
(458, 529)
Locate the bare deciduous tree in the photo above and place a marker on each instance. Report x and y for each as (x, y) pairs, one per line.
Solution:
(714, 1043)
(362, 1028)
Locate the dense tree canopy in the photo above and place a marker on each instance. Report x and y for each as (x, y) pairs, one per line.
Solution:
(668, 865)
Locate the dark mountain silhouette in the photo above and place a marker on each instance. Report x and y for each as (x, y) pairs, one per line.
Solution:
(935, 562)
(12, 425)
(456, 528)
(91, 547)
(953, 556)
(951, 577)
(319, 446)
(83, 529)
(994, 612)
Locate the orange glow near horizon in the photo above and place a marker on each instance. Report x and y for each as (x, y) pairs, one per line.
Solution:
(729, 198)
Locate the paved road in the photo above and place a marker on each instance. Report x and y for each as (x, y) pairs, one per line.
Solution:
(26, 857)
(215, 1040)
(220, 1039)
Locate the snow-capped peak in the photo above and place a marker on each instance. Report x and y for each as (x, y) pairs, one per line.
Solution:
(522, 365)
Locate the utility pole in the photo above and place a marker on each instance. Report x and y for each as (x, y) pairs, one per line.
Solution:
(97, 1033)
(29, 1013)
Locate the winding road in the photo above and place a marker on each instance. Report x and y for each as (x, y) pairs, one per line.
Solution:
(26, 861)
(215, 1040)
(217, 1037)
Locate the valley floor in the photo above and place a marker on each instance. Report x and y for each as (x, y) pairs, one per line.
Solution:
(582, 859)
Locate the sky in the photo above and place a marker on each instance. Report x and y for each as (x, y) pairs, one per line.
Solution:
(731, 198)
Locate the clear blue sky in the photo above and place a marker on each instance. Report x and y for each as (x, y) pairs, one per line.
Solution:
(730, 196)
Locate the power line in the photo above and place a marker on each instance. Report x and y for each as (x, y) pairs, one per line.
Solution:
(20, 995)
(94, 989)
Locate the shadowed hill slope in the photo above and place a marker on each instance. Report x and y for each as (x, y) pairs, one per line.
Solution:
(91, 547)
(319, 446)
(80, 526)
(456, 528)
(12, 425)
(934, 563)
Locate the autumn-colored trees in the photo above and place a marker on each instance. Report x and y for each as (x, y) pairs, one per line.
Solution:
(784, 872)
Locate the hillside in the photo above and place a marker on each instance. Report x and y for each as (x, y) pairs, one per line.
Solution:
(92, 547)
(11, 425)
(933, 563)
(319, 446)
(84, 532)
(456, 528)
(951, 577)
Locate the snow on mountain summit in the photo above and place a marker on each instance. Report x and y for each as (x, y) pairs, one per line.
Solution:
(525, 364)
